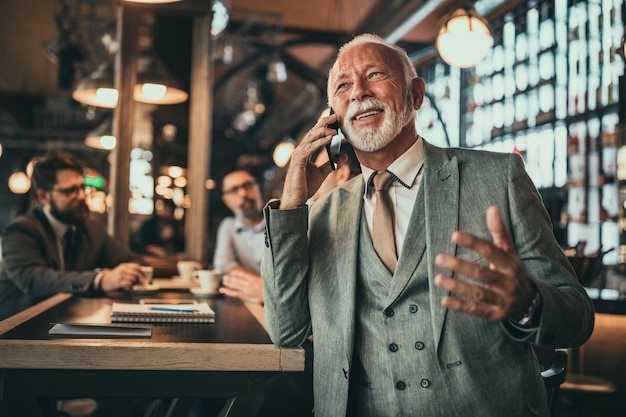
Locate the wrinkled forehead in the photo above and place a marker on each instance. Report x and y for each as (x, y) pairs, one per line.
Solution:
(362, 56)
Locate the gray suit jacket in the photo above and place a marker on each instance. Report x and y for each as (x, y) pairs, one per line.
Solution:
(31, 269)
(309, 273)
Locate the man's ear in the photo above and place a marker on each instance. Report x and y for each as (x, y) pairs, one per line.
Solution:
(418, 89)
(43, 196)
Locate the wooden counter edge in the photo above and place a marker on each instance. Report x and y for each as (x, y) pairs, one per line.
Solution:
(29, 313)
(291, 359)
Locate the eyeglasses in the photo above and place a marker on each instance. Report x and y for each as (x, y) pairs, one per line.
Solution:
(70, 191)
(246, 186)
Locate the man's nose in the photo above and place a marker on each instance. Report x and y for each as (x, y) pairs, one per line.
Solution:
(360, 90)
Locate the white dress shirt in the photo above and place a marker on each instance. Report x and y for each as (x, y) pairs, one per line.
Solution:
(407, 169)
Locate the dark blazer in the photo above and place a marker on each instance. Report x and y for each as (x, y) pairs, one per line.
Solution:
(30, 270)
(309, 280)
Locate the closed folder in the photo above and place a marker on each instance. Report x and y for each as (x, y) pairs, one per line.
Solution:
(80, 330)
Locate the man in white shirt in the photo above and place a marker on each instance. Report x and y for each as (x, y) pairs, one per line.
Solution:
(239, 244)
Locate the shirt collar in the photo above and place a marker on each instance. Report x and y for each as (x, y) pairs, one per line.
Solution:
(404, 169)
(58, 226)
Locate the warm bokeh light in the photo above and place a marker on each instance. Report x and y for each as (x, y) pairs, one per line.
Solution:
(96, 202)
(464, 40)
(282, 153)
(168, 193)
(259, 108)
(108, 142)
(186, 201)
(107, 97)
(210, 184)
(19, 183)
(180, 182)
(29, 169)
(175, 171)
(164, 180)
(153, 91)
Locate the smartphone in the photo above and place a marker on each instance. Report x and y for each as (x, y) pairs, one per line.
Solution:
(333, 148)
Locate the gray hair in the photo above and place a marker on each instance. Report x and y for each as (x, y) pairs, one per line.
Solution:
(408, 71)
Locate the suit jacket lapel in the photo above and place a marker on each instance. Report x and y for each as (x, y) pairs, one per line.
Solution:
(413, 250)
(441, 197)
(51, 239)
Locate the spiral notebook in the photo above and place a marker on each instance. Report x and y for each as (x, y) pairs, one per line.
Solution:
(160, 313)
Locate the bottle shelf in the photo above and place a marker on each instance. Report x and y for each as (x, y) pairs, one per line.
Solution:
(551, 76)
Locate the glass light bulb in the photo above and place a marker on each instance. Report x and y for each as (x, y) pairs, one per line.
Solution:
(464, 41)
(153, 91)
(107, 96)
(108, 141)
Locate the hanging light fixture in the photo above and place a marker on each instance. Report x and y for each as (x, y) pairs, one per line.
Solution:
(97, 89)
(102, 136)
(156, 86)
(465, 38)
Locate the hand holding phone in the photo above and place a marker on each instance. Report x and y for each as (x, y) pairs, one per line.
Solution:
(334, 147)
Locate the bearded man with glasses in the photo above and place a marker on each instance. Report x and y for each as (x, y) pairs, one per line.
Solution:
(56, 247)
(240, 238)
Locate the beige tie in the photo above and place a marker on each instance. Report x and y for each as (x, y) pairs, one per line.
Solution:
(384, 225)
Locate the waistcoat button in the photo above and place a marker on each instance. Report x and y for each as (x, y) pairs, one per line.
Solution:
(419, 345)
(389, 312)
(413, 308)
(425, 383)
(393, 347)
(400, 385)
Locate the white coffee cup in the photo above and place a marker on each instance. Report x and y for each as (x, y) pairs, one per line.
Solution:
(147, 273)
(209, 280)
(186, 268)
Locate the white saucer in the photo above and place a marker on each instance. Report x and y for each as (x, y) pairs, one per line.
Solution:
(200, 291)
(145, 288)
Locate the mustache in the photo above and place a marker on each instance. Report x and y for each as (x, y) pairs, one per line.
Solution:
(357, 107)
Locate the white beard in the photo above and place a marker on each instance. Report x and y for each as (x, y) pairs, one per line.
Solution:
(371, 138)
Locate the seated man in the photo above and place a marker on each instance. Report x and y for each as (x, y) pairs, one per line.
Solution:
(56, 247)
(240, 242)
(240, 238)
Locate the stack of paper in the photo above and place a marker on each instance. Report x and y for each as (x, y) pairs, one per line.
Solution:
(160, 313)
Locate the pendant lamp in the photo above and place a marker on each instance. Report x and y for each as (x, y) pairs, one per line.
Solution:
(465, 39)
(155, 85)
(97, 89)
(102, 136)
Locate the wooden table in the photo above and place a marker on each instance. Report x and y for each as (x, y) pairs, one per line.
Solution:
(227, 359)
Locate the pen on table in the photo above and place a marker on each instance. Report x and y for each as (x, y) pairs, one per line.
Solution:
(176, 310)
